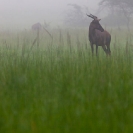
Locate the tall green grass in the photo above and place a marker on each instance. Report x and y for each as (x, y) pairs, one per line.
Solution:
(59, 87)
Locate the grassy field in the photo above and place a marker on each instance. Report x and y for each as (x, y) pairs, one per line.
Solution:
(58, 87)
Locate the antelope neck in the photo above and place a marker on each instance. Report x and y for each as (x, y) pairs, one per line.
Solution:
(92, 30)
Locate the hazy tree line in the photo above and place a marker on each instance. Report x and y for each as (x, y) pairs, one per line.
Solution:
(118, 13)
(75, 16)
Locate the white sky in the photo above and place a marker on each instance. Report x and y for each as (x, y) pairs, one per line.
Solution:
(15, 13)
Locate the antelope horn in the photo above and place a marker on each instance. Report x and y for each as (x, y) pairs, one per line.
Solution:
(90, 16)
(93, 16)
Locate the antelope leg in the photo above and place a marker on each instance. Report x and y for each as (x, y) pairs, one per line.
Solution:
(92, 49)
(96, 50)
(104, 48)
(108, 49)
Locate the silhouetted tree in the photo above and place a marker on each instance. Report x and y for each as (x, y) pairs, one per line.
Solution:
(76, 16)
(124, 7)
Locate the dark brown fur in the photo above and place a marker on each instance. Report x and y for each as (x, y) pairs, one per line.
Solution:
(99, 36)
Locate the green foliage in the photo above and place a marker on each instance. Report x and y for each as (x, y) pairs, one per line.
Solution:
(62, 90)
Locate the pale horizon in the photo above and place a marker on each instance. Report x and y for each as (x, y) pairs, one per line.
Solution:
(17, 14)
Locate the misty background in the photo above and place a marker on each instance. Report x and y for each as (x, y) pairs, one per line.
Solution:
(22, 14)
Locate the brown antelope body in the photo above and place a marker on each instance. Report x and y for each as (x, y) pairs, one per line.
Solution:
(98, 36)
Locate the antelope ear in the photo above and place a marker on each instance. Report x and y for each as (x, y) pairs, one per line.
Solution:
(99, 19)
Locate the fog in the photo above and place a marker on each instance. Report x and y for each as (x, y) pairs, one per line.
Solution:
(21, 14)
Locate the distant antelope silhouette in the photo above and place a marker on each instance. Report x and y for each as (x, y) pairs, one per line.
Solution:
(37, 27)
(98, 36)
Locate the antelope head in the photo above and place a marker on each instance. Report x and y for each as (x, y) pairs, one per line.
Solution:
(95, 23)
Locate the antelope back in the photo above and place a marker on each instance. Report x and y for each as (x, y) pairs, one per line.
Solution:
(102, 38)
